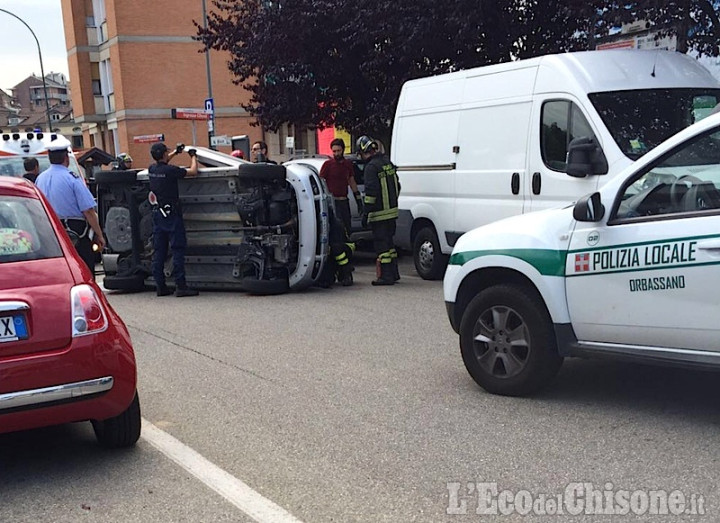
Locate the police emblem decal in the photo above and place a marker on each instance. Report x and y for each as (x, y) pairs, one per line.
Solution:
(582, 262)
(593, 238)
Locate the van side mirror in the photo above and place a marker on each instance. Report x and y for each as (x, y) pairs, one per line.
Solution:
(589, 208)
(585, 157)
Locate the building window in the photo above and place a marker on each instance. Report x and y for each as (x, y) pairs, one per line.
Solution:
(55, 117)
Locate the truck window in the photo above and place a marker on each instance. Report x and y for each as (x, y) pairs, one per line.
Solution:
(684, 181)
(13, 165)
(640, 120)
(562, 121)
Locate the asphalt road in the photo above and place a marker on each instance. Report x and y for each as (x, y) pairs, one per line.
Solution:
(352, 404)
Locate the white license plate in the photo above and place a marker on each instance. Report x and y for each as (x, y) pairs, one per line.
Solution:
(12, 328)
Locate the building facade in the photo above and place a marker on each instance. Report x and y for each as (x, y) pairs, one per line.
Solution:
(132, 62)
(28, 109)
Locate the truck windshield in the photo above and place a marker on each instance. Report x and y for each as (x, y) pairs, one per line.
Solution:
(640, 120)
(13, 165)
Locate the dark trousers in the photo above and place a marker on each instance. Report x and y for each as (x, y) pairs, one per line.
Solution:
(383, 233)
(342, 210)
(166, 230)
(83, 246)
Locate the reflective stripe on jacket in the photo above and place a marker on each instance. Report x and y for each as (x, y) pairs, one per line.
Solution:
(382, 188)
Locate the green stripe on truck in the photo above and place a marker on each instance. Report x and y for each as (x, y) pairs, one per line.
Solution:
(548, 262)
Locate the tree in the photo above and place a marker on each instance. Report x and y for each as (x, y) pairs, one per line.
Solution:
(325, 62)
(694, 22)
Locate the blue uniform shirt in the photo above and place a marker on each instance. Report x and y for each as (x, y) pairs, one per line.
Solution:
(164, 181)
(67, 193)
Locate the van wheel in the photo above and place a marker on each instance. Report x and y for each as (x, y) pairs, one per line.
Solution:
(507, 341)
(430, 262)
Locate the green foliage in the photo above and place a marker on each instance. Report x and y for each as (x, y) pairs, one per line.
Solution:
(324, 62)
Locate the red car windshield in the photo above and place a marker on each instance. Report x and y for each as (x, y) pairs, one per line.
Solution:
(25, 231)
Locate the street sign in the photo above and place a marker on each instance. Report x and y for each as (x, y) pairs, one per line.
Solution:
(210, 109)
(185, 113)
(221, 140)
(149, 138)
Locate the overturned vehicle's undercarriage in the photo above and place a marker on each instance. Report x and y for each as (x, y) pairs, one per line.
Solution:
(260, 228)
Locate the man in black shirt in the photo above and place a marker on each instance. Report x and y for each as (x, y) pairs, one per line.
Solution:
(32, 169)
(168, 225)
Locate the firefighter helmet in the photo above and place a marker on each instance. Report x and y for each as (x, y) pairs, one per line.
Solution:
(365, 143)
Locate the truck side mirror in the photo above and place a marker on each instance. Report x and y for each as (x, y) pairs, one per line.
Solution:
(585, 157)
(589, 208)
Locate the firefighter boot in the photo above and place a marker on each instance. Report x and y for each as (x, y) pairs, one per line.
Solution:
(395, 270)
(345, 276)
(386, 275)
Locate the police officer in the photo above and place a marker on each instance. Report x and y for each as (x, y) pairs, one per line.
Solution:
(382, 188)
(71, 199)
(168, 222)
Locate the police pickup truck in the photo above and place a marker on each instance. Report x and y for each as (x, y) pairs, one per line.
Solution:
(631, 271)
(260, 228)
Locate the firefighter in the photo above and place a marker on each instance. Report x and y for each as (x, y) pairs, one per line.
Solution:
(339, 265)
(341, 250)
(382, 188)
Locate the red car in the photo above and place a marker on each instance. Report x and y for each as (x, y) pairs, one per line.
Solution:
(65, 354)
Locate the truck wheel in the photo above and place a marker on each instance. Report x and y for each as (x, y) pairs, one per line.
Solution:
(507, 341)
(121, 431)
(113, 177)
(265, 287)
(430, 262)
(263, 172)
(130, 282)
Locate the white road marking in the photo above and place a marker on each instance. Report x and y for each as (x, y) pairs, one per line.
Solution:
(235, 491)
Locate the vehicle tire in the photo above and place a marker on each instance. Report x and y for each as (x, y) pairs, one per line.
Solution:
(131, 282)
(265, 287)
(430, 262)
(264, 172)
(507, 341)
(121, 431)
(114, 177)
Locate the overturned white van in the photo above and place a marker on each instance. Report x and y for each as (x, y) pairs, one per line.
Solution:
(476, 146)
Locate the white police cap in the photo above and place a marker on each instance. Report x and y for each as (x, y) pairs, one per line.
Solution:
(60, 143)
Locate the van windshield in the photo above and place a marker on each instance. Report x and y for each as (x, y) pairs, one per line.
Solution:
(13, 165)
(640, 120)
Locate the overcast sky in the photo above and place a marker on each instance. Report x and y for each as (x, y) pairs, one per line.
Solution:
(19, 54)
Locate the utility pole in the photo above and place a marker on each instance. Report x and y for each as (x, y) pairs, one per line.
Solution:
(42, 69)
(211, 120)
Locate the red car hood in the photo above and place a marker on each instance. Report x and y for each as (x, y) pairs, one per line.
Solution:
(44, 286)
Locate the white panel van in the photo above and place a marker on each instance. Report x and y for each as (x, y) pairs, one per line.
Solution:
(476, 146)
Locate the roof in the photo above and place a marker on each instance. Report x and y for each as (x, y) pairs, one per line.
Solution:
(98, 156)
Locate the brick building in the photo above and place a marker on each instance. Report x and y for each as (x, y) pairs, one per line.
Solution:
(131, 62)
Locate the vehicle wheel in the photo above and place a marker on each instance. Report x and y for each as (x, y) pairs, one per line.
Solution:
(121, 431)
(507, 341)
(265, 287)
(131, 282)
(265, 172)
(113, 177)
(430, 262)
